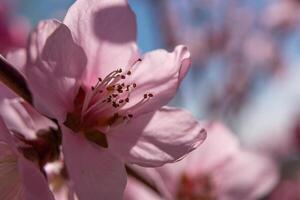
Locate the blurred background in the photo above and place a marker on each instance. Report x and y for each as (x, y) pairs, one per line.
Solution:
(246, 63)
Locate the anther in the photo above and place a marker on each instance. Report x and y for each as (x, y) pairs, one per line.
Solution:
(123, 77)
(114, 104)
(130, 115)
(150, 95)
(145, 96)
(129, 73)
(99, 79)
(134, 85)
(127, 100)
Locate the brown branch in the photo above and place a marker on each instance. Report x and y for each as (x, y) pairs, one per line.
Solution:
(14, 80)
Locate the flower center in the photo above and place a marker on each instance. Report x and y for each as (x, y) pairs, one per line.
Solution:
(105, 105)
(200, 188)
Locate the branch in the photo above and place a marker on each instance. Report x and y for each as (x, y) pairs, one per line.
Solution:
(14, 80)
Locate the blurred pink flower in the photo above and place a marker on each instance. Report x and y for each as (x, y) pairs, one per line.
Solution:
(218, 170)
(20, 178)
(288, 17)
(13, 29)
(87, 73)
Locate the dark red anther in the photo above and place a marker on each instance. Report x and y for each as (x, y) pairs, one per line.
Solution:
(130, 115)
(123, 77)
(99, 79)
(145, 96)
(129, 73)
(121, 101)
(150, 95)
(127, 100)
(134, 85)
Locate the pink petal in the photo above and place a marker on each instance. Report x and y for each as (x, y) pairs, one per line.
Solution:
(160, 74)
(55, 64)
(96, 172)
(10, 184)
(17, 58)
(219, 146)
(135, 190)
(157, 138)
(5, 136)
(29, 182)
(172, 174)
(106, 30)
(19, 116)
(35, 186)
(248, 176)
(6, 93)
(153, 177)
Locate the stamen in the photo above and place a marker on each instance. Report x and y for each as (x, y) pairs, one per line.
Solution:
(112, 93)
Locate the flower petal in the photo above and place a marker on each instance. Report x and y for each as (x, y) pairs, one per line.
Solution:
(19, 116)
(136, 191)
(219, 146)
(96, 172)
(247, 176)
(53, 69)
(21, 178)
(159, 73)
(157, 138)
(106, 30)
(35, 186)
(17, 58)
(10, 184)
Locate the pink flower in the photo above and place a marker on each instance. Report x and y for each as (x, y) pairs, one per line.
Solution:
(218, 170)
(20, 178)
(87, 73)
